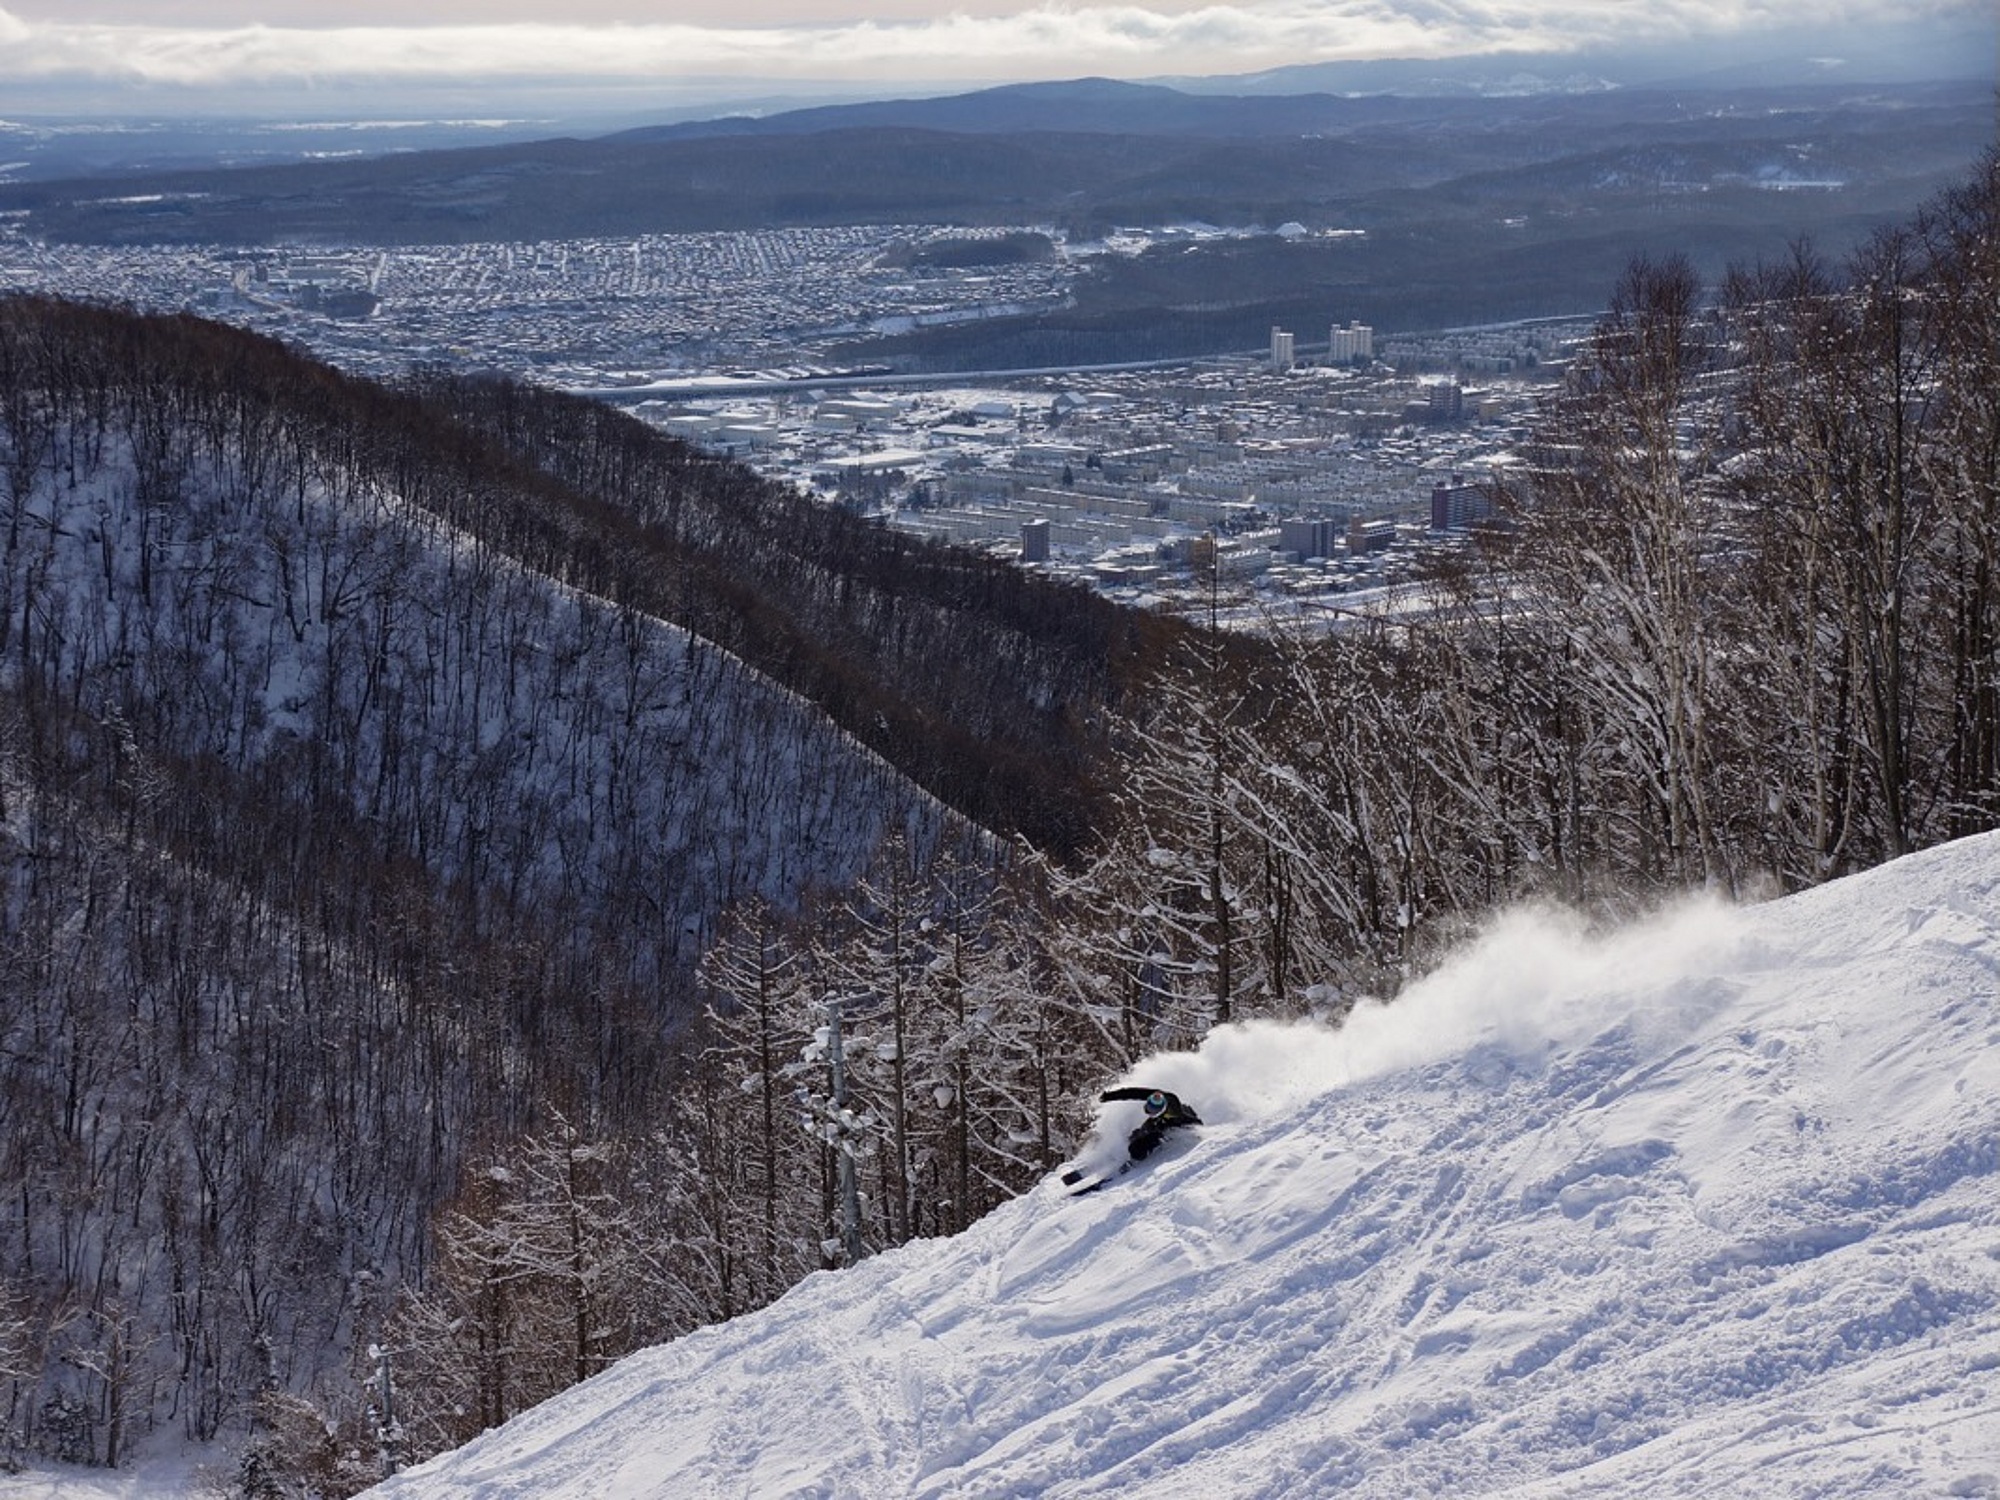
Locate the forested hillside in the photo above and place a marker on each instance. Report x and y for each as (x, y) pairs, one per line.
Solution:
(366, 799)
(980, 680)
(381, 802)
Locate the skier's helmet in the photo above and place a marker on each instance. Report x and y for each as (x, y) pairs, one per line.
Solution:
(1156, 1103)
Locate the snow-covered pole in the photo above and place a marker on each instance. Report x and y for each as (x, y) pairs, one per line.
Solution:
(850, 1193)
(388, 1434)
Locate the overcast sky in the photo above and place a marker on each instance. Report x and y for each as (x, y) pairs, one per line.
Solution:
(157, 49)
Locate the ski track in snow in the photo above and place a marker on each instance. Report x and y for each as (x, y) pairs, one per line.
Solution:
(1708, 1207)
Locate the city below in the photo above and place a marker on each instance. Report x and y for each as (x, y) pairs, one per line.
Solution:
(1316, 476)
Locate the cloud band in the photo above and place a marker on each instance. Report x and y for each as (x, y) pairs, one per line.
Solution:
(1064, 40)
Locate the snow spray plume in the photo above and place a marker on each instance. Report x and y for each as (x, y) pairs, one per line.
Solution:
(1533, 981)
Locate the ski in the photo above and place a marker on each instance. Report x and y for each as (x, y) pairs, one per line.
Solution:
(1079, 1182)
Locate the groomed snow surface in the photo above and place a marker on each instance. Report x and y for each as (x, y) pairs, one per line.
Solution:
(1707, 1207)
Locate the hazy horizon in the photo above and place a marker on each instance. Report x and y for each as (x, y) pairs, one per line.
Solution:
(514, 58)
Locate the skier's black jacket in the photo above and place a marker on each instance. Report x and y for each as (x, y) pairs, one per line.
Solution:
(1164, 1112)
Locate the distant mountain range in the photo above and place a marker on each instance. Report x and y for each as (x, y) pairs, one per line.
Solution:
(1885, 54)
(1094, 106)
(1474, 205)
(1313, 99)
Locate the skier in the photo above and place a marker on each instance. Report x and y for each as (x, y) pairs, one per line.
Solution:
(1164, 1112)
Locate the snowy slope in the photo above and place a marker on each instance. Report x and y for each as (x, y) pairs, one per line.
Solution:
(1708, 1208)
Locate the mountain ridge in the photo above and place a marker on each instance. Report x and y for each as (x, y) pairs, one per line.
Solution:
(1066, 153)
(1868, 55)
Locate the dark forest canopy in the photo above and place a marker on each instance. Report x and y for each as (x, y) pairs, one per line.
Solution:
(979, 680)
(976, 679)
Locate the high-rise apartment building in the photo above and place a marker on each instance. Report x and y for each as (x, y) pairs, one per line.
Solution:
(1355, 341)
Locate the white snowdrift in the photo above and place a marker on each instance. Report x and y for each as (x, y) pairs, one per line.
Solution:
(1711, 1207)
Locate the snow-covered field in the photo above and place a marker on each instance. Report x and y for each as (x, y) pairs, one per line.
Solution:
(1710, 1207)
(170, 1476)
